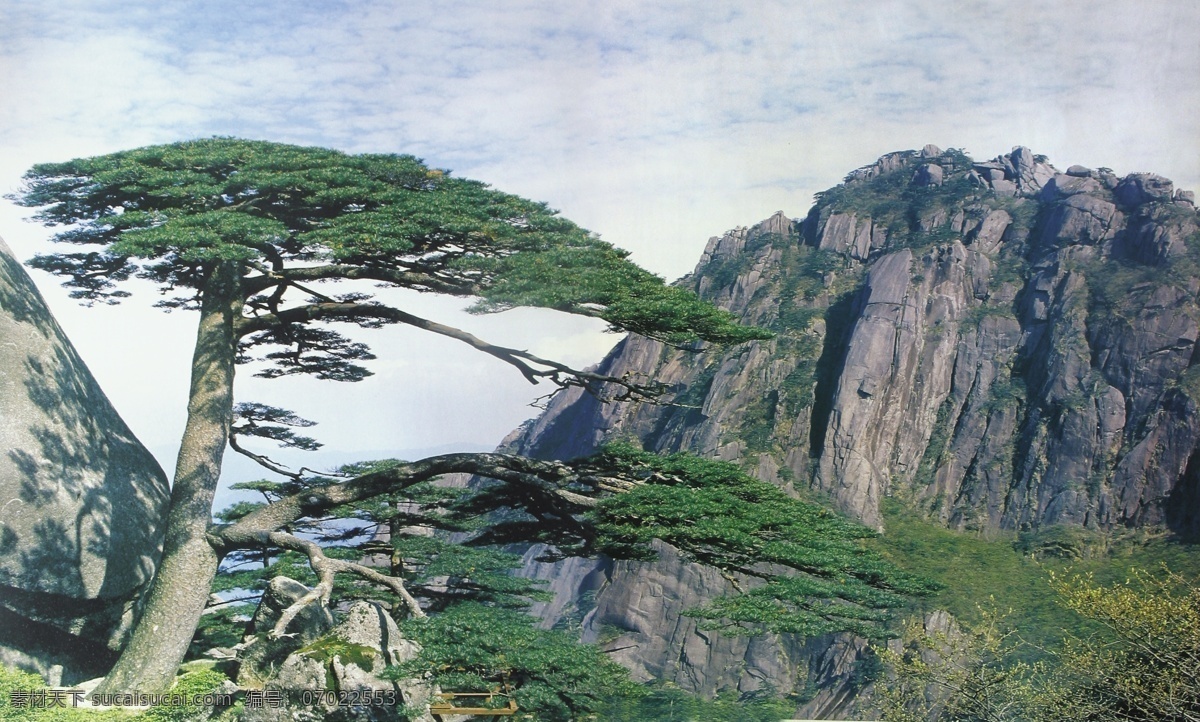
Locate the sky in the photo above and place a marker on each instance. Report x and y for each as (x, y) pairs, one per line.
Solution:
(654, 124)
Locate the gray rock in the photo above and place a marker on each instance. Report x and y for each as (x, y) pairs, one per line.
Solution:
(655, 642)
(348, 659)
(931, 151)
(929, 174)
(981, 270)
(844, 233)
(298, 674)
(991, 231)
(1157, 234)
(1188, 197)
(370, 625)
(1112, 413)
(886, 164)
(1029, 173)
(1061, 186)
(850, 462)
(987, 167)
(777, 225)
(82, 502)
(1080, 171)
(261, 655)
(1138, 188)
(994, 394)
(831, 674)
(1004, 187)
(1081, 219)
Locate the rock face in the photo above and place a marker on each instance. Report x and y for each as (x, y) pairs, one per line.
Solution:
(260, 655)
(82, 503)
(995, 344)
(348, 659)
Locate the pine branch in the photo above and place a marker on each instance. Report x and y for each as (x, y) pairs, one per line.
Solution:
(326, 569)
(547, 477)
(406, 279)
(532, 367)
(794, 567)
(264, 461)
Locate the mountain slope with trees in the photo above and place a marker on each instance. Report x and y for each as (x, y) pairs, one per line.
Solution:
(997, 347)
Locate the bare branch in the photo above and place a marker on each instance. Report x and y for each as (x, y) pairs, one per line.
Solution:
(321, 565)
(213, 604)
(549, 478)
(326, 569)
(546, 477)
(263, 461)
(406, 279)
(394, 583)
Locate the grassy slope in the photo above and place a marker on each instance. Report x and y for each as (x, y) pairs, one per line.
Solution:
(1004, 572)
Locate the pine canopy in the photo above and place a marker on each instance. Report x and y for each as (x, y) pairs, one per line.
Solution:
(298, 214)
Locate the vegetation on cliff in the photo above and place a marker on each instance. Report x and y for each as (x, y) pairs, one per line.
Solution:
(994, 362)
(1137, 661)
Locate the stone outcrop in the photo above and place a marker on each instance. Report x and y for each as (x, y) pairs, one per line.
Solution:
(347, 659)
(997, 345)
(82, 502)
(260, 655)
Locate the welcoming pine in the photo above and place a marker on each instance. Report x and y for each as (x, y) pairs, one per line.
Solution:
(245, 232)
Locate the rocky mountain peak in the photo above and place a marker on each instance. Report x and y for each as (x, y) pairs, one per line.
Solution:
(994, 345)
(954, 336)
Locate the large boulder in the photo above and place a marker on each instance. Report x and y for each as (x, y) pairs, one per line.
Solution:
(260, 654)
(82, 502)
(1138, 188)
(339, 676)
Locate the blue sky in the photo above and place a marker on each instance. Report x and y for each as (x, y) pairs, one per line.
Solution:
(655, 124)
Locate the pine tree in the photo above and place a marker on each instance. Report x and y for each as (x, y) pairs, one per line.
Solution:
(252, 235)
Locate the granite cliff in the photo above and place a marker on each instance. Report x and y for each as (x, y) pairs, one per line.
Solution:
(82, 502)
(997, 345)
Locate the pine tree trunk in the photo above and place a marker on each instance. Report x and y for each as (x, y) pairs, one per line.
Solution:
(184, 577)
(396, 562)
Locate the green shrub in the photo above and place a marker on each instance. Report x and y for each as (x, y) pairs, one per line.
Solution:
(667, 703)
(196, 680)
(1012, 568)
(474, 648)
(13, 681)
(1139, 663)
(1189, 384)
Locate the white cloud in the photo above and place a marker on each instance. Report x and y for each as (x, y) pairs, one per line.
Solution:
(657, 125)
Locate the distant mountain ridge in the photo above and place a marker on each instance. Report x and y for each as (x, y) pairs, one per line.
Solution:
(998, 345)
